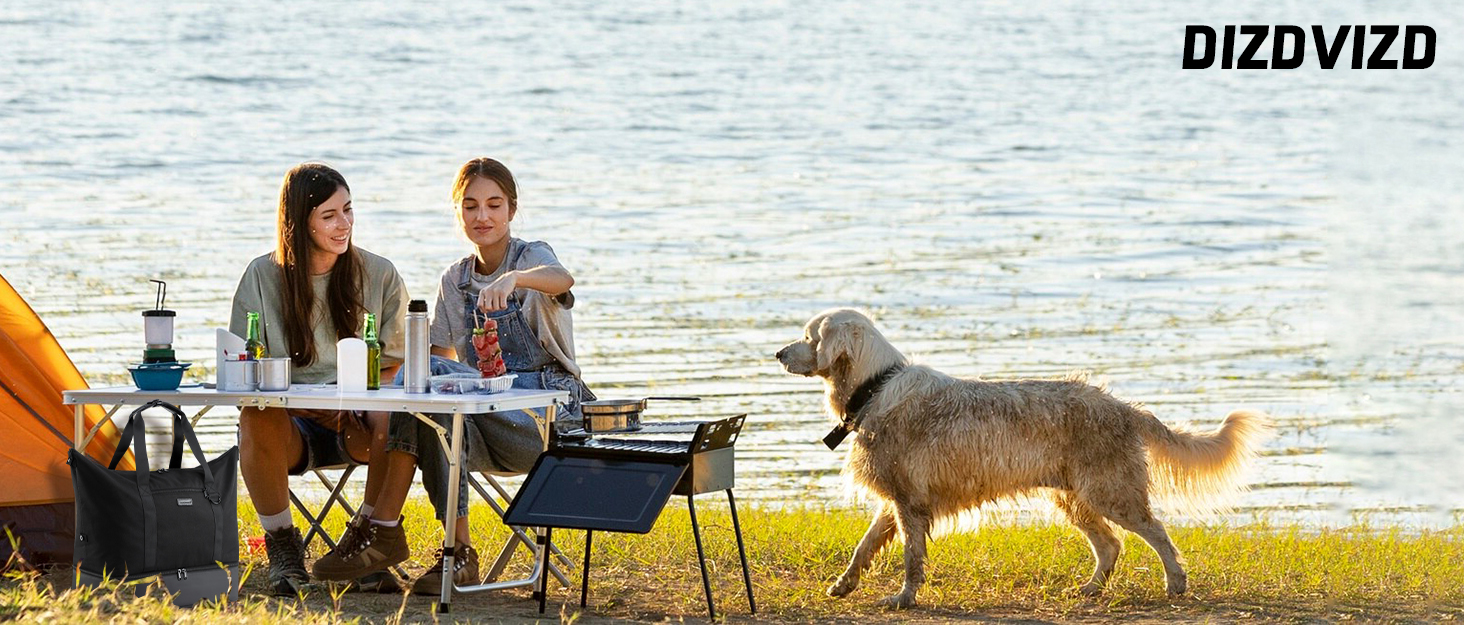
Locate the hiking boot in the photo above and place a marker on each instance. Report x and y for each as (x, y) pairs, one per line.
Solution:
(384, 582)
(352, 534)
(464, 571)
(286, 549)
(381, 582)
(377, 548)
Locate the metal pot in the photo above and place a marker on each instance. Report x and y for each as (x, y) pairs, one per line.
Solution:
(619, 415)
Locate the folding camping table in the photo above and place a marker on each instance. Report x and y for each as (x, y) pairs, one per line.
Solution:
(329, 397)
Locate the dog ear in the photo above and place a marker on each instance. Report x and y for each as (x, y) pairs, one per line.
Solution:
(835, 339)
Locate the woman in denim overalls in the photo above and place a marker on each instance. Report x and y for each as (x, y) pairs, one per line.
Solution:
(522, 287)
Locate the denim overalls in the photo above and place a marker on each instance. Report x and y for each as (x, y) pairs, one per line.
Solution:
(535, 367)
(498, 441)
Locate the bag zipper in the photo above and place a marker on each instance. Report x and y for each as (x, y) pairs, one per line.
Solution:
(180, 573)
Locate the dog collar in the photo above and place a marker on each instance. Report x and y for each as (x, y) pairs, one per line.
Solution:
(861, 396)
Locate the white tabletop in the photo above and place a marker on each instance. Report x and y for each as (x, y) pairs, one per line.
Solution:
(325, 396)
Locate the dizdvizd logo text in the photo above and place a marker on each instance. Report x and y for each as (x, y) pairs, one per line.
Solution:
(1371, 47)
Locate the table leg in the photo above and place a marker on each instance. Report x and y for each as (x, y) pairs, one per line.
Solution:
(199, 415)
(80, 425)
(454, 465)
(550, 413)
(90, 434)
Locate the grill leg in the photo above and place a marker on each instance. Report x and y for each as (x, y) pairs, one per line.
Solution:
(741, 552)
(585, 570)
(701, 558)
(543, 581)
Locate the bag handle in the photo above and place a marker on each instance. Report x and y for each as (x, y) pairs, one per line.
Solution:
(174, 461)
(182, 430)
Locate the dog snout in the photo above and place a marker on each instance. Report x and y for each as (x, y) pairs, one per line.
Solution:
(796, 357)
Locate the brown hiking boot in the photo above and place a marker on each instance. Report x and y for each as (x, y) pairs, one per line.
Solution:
(380, 582)
(384, 582)
(377, 548)
(464, 571)
(286, 550)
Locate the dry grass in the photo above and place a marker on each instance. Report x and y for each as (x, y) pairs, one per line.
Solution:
(1000, 573)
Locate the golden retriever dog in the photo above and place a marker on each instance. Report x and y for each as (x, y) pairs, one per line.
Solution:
(930, 446)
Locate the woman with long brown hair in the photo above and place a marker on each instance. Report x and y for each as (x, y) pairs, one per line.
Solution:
(312, 291)
(520, 285)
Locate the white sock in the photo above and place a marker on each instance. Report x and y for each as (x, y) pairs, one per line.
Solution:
(366, 510)
(277, 521)
(392, 523)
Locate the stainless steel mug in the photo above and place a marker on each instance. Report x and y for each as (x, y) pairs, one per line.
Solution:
(274, 374)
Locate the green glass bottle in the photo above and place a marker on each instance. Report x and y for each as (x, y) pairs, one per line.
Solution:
(373, 354)
(254, 348)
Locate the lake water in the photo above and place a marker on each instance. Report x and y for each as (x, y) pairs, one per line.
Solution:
(1013, 189)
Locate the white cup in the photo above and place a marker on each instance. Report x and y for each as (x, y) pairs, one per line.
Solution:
(239, 375)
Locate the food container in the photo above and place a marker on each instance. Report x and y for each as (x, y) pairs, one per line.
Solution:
(239, 375)
(274, 374)
(618, 415)
(470, 383)
(158, 376)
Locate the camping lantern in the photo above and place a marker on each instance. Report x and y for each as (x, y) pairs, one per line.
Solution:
(158, 329)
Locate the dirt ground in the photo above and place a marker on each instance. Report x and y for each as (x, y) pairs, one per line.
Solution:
(518, 606)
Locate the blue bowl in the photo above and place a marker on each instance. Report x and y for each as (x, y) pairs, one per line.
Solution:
(158, 376)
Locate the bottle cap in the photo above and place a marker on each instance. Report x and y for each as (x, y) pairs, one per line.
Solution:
(417, 305)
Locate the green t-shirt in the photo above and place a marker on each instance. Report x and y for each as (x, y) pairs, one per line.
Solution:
(382, 292)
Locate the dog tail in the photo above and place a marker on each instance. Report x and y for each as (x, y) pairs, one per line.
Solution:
(1198, 473)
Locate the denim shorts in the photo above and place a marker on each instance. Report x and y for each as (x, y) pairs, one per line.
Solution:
(323, 446)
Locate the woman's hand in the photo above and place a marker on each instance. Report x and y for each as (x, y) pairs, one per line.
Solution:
(495, 296)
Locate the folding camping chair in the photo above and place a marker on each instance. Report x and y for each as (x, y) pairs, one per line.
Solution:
(336, 487)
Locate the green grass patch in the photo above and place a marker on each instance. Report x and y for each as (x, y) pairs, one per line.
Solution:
(1010, 571)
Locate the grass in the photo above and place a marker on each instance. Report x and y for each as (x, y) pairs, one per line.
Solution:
(1255, 572)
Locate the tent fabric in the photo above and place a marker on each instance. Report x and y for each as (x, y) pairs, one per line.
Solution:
(36, 431)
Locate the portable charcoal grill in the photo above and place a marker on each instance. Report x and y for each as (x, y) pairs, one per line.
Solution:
(594, 482)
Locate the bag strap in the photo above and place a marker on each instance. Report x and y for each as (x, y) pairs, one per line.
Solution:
(144, 486)
(210, 489)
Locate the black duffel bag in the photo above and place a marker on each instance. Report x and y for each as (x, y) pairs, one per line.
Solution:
(176, 525)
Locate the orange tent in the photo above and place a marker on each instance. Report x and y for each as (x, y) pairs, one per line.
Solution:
(36, 500)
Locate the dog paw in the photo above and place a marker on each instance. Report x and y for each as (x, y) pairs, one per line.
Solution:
(844, 586)
(1090, 589)
(898, 602)
(1177, 585)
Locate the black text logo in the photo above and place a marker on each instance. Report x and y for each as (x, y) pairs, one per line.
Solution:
(1288, 46)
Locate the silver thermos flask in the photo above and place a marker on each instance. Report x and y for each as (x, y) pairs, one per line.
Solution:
(419, 349)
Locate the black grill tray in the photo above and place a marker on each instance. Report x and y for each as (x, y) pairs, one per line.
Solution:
(567, 491)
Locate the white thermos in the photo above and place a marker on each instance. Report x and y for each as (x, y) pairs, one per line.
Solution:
(419, 349)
